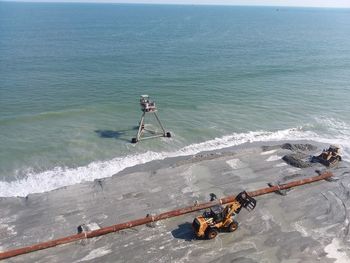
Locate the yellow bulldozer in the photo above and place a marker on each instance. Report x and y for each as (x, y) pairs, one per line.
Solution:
(329, 157)
(220, 218)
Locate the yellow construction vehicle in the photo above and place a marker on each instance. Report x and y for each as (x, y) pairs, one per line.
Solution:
(330, 157)
(219, 218)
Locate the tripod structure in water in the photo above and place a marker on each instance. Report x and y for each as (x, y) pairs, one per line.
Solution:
(149, 107)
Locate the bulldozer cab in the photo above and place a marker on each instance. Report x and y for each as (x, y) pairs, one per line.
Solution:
(217, 213)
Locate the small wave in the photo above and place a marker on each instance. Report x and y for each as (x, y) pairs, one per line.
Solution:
(60, 176)
(334, 126)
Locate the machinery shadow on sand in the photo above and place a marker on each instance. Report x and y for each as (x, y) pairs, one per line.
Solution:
(184, 231)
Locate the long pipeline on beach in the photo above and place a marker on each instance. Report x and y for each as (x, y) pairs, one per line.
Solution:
(150, 219)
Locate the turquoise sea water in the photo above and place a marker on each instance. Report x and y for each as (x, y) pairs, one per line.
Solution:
(71, 76)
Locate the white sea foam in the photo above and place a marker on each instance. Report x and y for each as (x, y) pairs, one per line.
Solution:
(300, 228)
(61, 176)
(281, 164)
(268, 152)
(292, 170)
(6, 227)
(335, 251)
(235, 163)
(273, 158)
(96, 253)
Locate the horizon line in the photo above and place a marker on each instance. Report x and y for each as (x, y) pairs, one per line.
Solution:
(181, 4)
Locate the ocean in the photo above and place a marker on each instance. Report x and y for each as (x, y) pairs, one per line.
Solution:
(71, 76)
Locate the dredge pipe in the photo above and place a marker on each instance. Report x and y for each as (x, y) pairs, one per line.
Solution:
(149, 219)
(292, 184)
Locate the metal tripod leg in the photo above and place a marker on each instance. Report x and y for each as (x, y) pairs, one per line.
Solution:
(160, 124)
(141, 127)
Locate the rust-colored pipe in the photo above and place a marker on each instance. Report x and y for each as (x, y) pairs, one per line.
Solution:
(292, 184)
(149, 219)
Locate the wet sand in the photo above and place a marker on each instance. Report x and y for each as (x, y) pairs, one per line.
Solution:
(310, 224)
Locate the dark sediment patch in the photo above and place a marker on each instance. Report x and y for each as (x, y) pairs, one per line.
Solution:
(299, 160)
(295, 147)
(299, 147)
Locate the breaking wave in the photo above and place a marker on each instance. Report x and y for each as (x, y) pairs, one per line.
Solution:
(60, 176)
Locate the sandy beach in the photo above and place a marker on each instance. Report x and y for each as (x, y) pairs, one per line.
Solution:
(310, 224)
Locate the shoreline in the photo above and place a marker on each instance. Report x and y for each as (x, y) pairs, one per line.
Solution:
(171, 162)
(40, 181)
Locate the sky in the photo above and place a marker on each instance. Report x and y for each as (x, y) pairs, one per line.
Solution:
(308, 3)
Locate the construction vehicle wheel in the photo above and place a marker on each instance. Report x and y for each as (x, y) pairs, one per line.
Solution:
(233, 226)
(211, 233)
(133, 140)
